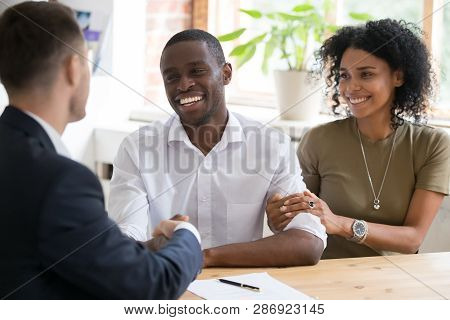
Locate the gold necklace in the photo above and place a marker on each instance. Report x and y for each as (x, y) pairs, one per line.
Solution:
(376, 201)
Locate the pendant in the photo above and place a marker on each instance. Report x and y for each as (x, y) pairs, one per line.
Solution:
(376, 204)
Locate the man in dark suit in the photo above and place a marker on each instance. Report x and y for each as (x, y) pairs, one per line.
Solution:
(56, 240)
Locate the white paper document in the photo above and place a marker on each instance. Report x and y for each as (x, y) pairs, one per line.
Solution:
(270, 289)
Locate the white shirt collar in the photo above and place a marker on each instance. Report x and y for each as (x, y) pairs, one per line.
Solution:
(176, 130)
(54, 136)
(232, 133)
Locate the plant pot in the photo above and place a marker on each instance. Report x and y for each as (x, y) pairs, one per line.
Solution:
(299, 96)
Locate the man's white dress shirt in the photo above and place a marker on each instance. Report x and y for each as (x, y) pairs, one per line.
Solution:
(158, 173)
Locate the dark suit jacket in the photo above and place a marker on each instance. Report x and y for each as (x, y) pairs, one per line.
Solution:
(56, 240)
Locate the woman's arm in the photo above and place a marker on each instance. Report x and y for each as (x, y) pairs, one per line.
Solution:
(407, 238)
(422, 209)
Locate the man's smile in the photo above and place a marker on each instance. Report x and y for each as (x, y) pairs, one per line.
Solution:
(190, 100)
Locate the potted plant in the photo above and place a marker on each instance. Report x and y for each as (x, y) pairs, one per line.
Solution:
(292, 37)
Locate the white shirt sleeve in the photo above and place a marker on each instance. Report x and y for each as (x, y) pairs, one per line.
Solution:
(191, 228)
(128, 203)
(288, 177)
(310, 223)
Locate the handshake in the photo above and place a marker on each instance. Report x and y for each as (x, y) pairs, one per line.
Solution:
(164, 232)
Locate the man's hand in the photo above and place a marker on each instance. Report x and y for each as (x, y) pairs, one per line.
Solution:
(166, 227)
(164, 232)
(180, 217)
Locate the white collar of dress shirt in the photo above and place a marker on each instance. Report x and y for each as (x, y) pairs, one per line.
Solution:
(176, 130)
(54, 136)
(233, 131)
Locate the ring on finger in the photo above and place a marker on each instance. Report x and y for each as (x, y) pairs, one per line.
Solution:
(311, 204)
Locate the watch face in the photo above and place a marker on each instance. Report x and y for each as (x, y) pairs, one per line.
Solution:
(359, 229)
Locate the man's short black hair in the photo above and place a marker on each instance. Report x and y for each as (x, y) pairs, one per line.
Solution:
(199, 35)
(35, 38)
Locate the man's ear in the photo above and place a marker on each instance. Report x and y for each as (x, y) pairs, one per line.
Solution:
(72, 68)
(227, 73)
(398, 78)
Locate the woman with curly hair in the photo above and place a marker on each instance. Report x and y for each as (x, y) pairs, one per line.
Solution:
(377, 177)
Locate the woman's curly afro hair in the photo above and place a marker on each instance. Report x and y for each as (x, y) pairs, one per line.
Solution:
(399, 44)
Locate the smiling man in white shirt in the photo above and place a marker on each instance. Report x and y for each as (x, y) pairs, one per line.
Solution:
(217, 167)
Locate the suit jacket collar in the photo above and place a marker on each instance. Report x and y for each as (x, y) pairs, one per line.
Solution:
(23, 122)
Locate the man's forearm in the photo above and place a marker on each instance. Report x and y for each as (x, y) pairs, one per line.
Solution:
(288, 248)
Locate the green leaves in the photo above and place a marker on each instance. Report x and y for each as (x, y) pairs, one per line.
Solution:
(252, 13)
(288, 17)
(232, 35)
(300, 56)
(242, 49)
(258, 39)
(303, 7)
(360, 16)
(301, 32)
(268, 52)
(331, 28)
(248, 53)
(239, 50)
(287, 34)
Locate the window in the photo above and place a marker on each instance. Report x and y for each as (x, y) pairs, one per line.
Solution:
(251, 86)
(410, 11)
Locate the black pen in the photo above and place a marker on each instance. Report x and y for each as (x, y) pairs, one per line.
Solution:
(237, 284)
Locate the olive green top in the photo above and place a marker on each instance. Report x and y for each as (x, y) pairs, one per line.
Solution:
(333, 168)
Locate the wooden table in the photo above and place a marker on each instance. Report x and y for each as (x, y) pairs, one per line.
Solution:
(417, 276)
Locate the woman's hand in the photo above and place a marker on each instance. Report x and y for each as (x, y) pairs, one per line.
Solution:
(333, 223)
(281, 210)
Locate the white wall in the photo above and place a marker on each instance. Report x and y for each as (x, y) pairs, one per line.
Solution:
(438, 237)
(3, 98)
(4, 4)
(113, 92)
